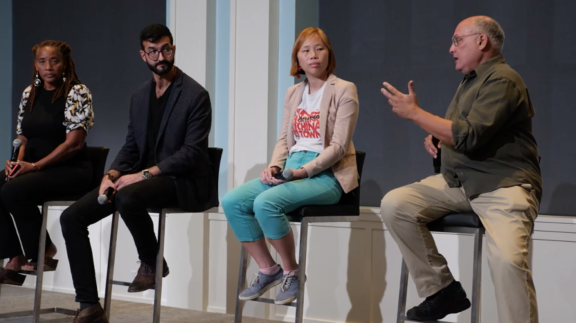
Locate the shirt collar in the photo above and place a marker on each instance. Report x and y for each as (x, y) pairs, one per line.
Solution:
(485, 67)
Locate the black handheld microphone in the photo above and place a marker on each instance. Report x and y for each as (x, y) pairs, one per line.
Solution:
(437, 162)
(285, 174)
(102, 199)
(15, 150)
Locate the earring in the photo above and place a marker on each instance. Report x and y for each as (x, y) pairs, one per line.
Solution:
(64, 77)
(37, 81)
(299, 70)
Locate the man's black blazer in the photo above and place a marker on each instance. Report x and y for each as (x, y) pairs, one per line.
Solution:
(182, 144)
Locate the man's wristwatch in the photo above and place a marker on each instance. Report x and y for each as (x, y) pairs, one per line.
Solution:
(146, 174)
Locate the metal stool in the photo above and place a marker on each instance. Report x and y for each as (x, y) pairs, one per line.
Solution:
(215, 155)
(97, 156)
(347, 210)
(458, 223)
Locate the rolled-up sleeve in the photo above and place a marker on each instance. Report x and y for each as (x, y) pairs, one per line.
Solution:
(497, 100)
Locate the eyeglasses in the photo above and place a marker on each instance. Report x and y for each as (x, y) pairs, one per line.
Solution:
(166, 52)
(456, 40)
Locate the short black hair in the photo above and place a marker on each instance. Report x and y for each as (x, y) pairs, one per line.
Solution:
(154, 32)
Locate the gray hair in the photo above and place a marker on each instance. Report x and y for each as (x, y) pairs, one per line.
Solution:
(489, 26)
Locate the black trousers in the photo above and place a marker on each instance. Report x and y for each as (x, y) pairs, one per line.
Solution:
(22, 195)
(132, 202)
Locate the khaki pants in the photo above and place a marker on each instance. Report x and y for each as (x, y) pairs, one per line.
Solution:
(508, 215)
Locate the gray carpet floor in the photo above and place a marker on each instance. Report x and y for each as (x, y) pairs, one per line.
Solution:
(13, 299)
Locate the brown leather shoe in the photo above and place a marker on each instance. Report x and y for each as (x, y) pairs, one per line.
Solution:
(146, 278)
(10, 277)
(92, 314)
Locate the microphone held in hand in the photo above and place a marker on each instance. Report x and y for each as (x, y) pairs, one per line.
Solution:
(285, 174)
(15, 150)
(105, 197)
(437, 162)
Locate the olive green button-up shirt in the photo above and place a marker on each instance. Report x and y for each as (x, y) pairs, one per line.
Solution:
(491, 116)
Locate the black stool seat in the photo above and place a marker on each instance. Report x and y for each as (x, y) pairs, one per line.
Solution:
(323, 210)
(349, 204)
(466, 220)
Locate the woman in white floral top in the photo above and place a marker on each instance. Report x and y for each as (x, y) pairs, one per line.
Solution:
(54, 117)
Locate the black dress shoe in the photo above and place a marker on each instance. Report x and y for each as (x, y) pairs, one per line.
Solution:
(146, 278)
(450, 300)
(11, 277)
(92, 314)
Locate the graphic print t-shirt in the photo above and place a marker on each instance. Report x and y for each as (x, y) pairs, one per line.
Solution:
(306, 122)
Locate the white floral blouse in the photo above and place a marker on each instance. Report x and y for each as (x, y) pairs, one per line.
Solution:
(78, 111)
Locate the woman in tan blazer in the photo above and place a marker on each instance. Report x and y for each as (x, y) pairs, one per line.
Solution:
(315, 145)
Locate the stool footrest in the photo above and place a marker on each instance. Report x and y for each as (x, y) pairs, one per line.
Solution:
(407, 320)
(120, 283)
(33, 272)
(271, 301)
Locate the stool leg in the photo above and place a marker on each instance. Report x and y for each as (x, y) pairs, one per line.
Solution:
(403, 293)
(477, 276)
(1, 265)
(111, 260)
(40, 266)
(302, 270)
(241, 281)
(159, 266)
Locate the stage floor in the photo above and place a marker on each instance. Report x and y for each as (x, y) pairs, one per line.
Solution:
(14, 299)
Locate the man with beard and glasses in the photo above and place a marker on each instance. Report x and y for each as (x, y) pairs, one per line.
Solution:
(164, 163)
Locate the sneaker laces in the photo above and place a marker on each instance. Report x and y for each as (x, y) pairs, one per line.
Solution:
(286, 281)
(255, 279)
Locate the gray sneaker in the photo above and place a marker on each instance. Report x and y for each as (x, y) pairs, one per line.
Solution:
(288, 289)
(260, 284)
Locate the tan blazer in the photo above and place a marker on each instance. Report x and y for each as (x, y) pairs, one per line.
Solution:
(338, 116)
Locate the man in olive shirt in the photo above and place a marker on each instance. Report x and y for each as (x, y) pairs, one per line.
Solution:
(490, 161)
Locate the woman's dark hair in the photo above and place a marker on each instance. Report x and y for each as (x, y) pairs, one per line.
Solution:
(154, 32)
(69, 72)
